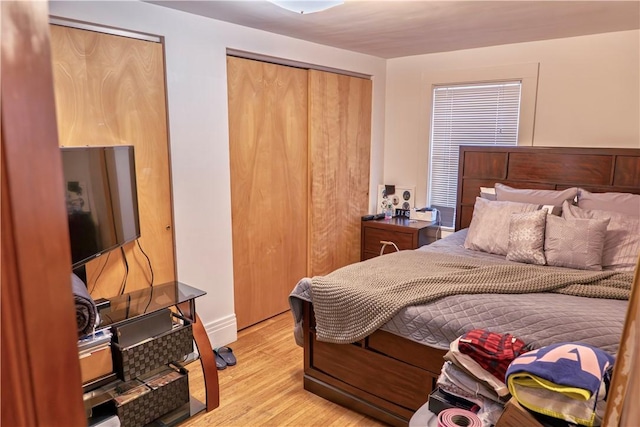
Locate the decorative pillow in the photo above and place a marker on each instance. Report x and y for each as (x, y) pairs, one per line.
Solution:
(489, 228)
(622, 242)
(541, 197)
(625, 203)
(526, 237)
(575, 243)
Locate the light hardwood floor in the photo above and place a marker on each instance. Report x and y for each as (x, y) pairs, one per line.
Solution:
(265, 387)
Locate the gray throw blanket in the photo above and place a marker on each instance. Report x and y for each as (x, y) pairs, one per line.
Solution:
(352, 302)
(86, 311)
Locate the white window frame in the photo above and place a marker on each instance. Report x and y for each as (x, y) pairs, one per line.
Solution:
(485, 98)
(526, 73)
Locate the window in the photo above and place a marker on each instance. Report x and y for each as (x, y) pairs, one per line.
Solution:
(471, 114)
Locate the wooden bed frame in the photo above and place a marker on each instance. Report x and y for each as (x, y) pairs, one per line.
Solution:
(388, 377)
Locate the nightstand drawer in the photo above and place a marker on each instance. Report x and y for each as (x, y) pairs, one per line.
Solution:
(373, 236)
(406, 234)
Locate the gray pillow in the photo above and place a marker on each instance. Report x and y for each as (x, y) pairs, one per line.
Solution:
(489, 228)
(622, 242)
(625, 203)
(541, 197)
(526, 237)
(575, 243)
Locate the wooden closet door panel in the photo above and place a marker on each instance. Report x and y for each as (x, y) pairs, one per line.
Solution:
(110, 90)
(268, 161)
(339, 153)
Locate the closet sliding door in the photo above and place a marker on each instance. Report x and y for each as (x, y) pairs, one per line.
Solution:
(339, 152)
(268, 163)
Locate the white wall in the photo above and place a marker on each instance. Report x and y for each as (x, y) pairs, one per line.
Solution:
(197, 105)
(588, 95)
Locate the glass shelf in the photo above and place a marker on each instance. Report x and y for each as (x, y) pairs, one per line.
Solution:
(128, 307)
(144, 301)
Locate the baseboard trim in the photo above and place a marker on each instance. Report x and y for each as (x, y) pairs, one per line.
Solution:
(222, 331)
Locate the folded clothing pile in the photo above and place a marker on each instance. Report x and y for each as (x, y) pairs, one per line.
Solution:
(565, 381)
(475, 369)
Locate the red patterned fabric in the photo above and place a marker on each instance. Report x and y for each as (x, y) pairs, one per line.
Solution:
(493, 351)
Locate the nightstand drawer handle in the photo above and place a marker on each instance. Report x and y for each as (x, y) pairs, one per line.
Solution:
(385, 243)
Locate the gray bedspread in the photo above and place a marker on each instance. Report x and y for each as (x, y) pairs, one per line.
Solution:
(539, 318)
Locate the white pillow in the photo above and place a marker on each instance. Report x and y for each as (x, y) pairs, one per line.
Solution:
(533, 195)
(488, 193)
(489, 228)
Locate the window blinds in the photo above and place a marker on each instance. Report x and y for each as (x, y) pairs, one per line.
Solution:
(479, 114)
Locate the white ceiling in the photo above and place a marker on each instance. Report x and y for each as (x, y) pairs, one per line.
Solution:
(396, 28)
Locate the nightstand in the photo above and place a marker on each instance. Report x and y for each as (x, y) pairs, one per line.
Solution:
(404, 233)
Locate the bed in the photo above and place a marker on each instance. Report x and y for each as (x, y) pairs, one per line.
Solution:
(389, 369)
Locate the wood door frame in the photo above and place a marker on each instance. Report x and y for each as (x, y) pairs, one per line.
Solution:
(92, 72)
(625, 384)
(40, 378)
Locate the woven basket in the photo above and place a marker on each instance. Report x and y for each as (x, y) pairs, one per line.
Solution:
(131, 362)
(155, 403)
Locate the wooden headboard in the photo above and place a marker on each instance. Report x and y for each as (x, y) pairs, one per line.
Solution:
(594, 169)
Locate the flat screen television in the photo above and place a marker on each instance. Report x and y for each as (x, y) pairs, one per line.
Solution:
(102, 199)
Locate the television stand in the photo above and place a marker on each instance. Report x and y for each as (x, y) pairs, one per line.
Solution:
(135, 306)
(102, 303)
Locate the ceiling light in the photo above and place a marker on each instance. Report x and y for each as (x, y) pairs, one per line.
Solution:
(306, 6)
